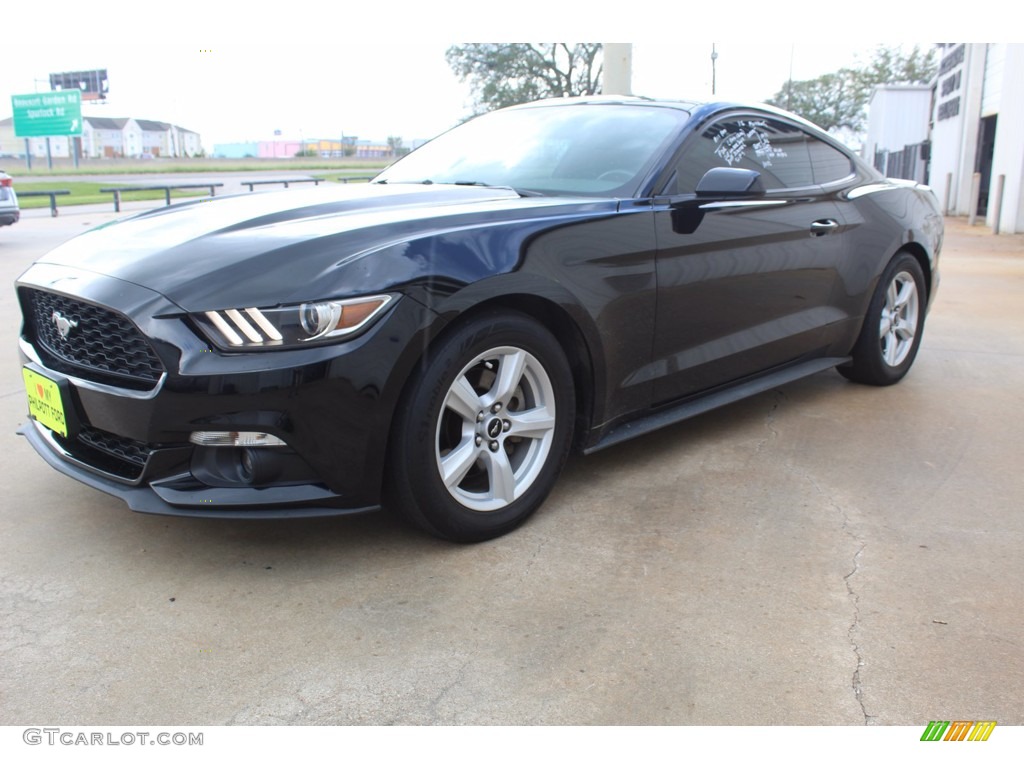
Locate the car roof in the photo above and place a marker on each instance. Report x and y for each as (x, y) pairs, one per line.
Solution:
(685, 105)
(699, 110)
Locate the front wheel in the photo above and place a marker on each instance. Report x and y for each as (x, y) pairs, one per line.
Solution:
(484, 429)
(891, 334)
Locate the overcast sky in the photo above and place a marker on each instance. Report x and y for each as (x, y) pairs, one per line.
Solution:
(238, 93)
(317, 70)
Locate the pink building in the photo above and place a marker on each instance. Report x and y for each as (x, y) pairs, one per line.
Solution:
(279, 148)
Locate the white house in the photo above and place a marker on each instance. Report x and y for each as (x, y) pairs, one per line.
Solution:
(11, 145)
(159, 139)
(109, 137)
(103, 136)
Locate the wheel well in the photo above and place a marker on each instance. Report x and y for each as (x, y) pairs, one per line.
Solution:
(569, 338)
(919, 253)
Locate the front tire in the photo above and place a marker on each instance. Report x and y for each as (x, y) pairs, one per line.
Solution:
(484, 430)
(893, 326)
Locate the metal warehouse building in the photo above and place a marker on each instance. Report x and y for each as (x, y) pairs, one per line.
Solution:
(964, 135)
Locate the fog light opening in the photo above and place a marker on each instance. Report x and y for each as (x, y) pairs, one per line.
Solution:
(259, 467)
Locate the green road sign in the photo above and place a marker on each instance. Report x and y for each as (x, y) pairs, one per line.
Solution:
(57, 113)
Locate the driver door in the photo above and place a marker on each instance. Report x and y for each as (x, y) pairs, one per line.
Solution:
(744, 281)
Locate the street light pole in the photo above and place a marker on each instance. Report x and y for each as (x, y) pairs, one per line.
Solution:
(714, 58)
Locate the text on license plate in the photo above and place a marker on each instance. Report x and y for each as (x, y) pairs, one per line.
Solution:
(44, 402)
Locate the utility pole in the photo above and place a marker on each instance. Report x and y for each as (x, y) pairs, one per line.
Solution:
(714, 58)
(789, 83)
(616, 77)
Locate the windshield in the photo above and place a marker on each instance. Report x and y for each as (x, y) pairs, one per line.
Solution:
(589, 149)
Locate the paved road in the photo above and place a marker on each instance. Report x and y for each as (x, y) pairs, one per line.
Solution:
(825, 553)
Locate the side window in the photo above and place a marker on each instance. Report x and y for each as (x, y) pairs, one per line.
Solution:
(784, 155)
(829, 163)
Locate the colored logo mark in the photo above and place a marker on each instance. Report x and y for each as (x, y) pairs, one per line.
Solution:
(958, 730)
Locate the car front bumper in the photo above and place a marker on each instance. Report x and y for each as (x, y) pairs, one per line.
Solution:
(331, 405)
(181, 495)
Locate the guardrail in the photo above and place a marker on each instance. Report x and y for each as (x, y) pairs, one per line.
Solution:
(165, 188)
(347, 179)
(52, 194)
(286, 182)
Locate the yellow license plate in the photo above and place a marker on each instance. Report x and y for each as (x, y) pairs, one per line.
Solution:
(44, 402)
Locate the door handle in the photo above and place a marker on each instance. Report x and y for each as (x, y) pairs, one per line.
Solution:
(823, 227)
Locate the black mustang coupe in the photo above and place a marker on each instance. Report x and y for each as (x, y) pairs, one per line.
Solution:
(564, 274)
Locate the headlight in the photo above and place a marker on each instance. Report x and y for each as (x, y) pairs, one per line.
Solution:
(250, 328)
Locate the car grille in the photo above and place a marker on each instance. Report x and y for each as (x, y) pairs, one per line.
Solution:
(102, 345)
(113, 454)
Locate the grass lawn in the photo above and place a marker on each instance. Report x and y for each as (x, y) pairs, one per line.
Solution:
(65, 167)
(88, 192)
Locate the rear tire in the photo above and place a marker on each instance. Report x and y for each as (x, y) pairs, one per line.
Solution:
(484, 429)
(893, 326)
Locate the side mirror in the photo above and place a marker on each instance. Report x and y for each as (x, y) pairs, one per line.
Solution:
(730, 182)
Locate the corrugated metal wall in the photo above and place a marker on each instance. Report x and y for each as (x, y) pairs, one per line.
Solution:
(907, 163)
(995, 59)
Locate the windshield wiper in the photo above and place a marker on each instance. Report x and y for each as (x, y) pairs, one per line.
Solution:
(520, 192)
(464, 183)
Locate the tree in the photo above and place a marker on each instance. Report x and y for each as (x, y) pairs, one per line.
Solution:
(889, 65)
(839, 100)
(830, 101)
(396, 147)
(503, 74)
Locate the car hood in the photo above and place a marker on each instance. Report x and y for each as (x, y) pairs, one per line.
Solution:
(270, 248)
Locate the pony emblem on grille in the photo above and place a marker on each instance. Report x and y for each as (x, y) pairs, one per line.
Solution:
(64, 325)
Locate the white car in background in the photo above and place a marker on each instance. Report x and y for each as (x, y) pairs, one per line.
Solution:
(9, 211)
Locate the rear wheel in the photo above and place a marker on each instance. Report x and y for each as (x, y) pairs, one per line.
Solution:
(891, 335)
(484, 429)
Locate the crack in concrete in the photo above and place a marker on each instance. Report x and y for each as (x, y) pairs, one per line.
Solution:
(855, 681)
(851, 633)
(769, 420)
(524, 573)
(858, 688)
(433, 706)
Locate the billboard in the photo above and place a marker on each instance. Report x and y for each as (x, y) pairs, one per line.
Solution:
(91, 82)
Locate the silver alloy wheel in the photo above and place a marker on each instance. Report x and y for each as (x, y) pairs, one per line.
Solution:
(898, 323)
(495, 429)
